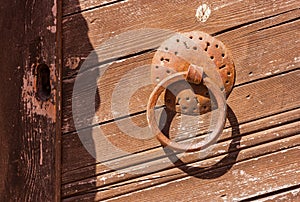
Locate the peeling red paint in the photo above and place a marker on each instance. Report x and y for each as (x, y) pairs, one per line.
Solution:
(32, 105)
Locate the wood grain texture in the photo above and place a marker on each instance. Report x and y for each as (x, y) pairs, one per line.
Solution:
(111, 179)
(75, 169)
(257, 55)
(29, 127)
(285, 196)
(253, 108)
(256, 156)
(136, 14)
(72, 6)
(253, 177)
(245, 179)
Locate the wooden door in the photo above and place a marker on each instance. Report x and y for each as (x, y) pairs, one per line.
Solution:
(257, 156)
(30, 100)
(44, 156)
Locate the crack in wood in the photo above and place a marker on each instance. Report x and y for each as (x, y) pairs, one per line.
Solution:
(244, 134)
(290, 188)
(174, 177)
(251, 22)
(279, 24)
(94, 7)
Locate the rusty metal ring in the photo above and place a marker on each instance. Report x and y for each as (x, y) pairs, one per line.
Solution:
(186, 147)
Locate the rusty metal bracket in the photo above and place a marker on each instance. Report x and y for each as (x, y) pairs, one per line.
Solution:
(191, 68)
(178, 53)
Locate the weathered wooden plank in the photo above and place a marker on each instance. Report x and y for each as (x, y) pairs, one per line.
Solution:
(261, 176)
(30, 127)
(266, 45)
(73, 6)
(255, 107)
(102, 23)
(73, 166)
(147, 160)
(255, 46)
(249, 141)
(287, 196)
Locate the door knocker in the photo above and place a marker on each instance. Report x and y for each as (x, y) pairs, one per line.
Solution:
(202, 62)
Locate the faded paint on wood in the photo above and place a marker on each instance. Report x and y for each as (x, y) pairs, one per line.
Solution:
(78, 169)
(253, 153)
(257, 55)
(285, 196)
(244, 180)
(136, 14)
(30, 128)
(239, 95)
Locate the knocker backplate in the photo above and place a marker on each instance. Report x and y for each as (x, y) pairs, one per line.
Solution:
(176, 55)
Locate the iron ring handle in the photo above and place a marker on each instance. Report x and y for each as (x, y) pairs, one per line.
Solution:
(186, 147)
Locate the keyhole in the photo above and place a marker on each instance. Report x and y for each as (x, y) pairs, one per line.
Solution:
(43, 82)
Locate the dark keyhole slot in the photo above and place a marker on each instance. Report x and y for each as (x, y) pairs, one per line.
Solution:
(43, 82)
